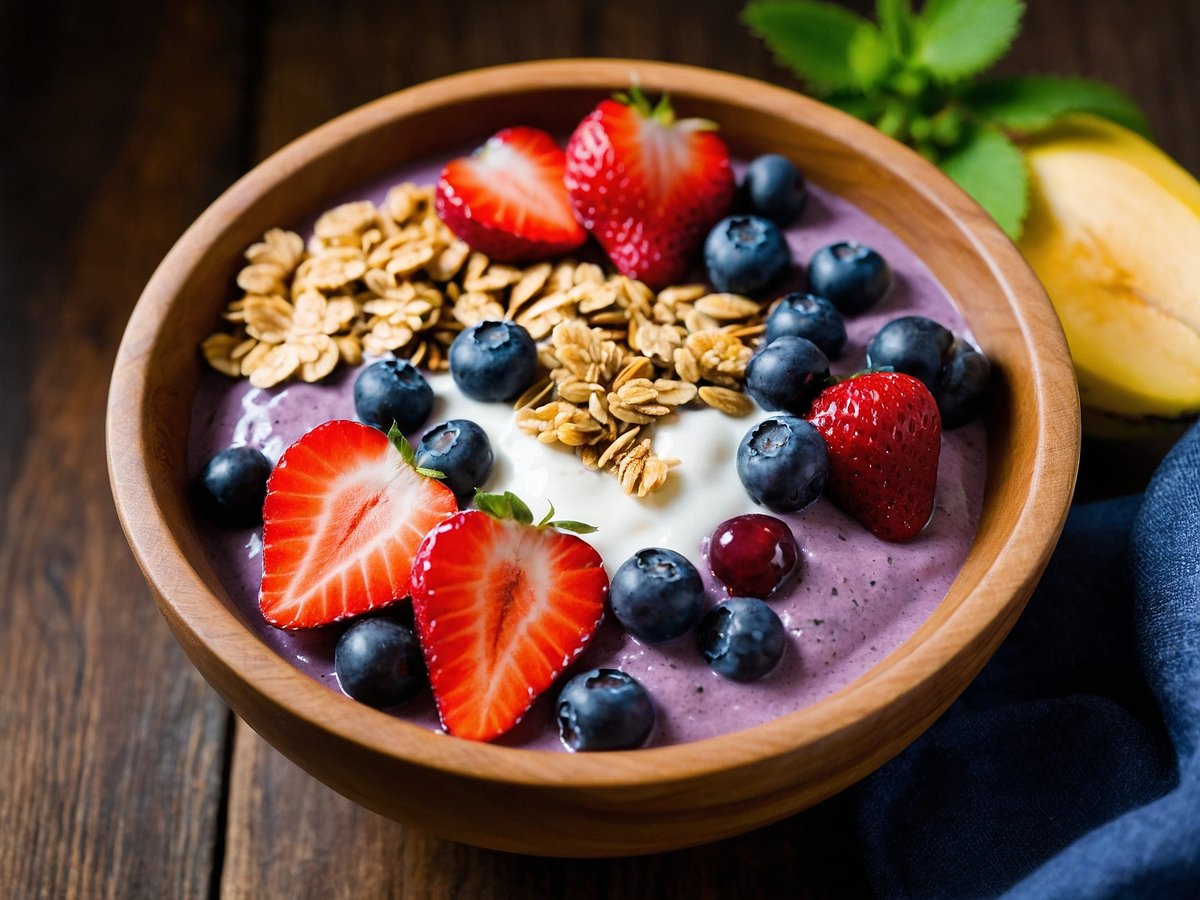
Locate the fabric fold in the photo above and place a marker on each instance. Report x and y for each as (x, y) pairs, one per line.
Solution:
(1071, 767)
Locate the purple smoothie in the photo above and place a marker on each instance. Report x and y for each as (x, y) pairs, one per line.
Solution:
(857, 600)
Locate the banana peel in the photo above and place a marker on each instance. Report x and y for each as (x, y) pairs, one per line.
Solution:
(1114, 235)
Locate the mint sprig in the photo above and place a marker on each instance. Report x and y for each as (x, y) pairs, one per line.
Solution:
(913, 74)
(990, 168)
(956, 39)
(830, 47)
(1032, 103)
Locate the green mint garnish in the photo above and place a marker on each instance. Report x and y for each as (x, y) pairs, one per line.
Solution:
(913, 75)
(408, 454)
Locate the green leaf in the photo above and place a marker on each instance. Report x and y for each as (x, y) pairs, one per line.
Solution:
(548, 521)
(520, 512)
(828, 46)
(956, 39)
(495, 505)
(408, 454)
(865, 108)
(896, 24)
(576, 527)
(1030, 103)
(869, 57)
(990, 168)
(509, 506)
(504, 506)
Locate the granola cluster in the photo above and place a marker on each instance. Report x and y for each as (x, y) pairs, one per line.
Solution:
(606, 384)
(374, 279)
(617, 357)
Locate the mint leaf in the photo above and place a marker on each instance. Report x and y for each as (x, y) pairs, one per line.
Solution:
(1032, 102)
(990, 168)
(408, 454)
(861, 107)
(959, 38)
(896, 24)
(829, 47)
(869, 57)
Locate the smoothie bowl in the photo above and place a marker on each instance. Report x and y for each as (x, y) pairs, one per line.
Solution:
(878, 636)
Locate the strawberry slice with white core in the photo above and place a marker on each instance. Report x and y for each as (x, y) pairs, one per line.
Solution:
(507, 199)
(502, 608)
(344, 514)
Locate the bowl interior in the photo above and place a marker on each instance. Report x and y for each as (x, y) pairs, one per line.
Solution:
(1032, 425)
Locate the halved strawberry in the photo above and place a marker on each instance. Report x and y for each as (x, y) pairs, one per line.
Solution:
(507, 199)
(502, 607)
(344, 514)
(648, 186)
(884, 436)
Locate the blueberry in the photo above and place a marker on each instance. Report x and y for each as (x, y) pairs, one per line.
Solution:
(783, 463)
(741, 639)
(392, 390)
(850, 276)
(745, 254)
(914, 345)
(774, 189)
(657, 595)
(961, 389)
(604, 709)
(233, 486)
(787, 374)
(460, 449)
(808, 316)
(493, 360)
(378, 662)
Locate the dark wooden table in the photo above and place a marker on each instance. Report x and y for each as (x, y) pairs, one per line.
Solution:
(121, 772)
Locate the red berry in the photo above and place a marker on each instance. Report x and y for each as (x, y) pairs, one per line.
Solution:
(502, 607)
(342, 520)
(754, 555)
(647, 185)
(884, 436)
(507, 199)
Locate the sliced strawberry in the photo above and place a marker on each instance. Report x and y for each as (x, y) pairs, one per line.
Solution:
(648, 186)
(507, 199)
(344, 514)
(502, 607)
(884, 436)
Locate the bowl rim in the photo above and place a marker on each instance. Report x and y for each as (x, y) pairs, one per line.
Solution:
(982, 618)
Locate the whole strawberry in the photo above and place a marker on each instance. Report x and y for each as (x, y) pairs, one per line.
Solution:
(884, 437)
(648, 186)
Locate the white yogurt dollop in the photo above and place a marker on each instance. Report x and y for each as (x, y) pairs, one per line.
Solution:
(701, 491)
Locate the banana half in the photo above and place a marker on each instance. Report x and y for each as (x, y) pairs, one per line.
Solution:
(1114, 235)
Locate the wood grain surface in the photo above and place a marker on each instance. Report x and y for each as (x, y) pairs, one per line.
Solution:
(120, 773)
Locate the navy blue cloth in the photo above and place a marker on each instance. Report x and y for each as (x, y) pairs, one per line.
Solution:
(1071, 767)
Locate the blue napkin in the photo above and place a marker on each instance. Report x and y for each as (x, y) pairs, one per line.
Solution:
(1071, 767)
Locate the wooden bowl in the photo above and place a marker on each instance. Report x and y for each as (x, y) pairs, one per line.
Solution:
(635, 801)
